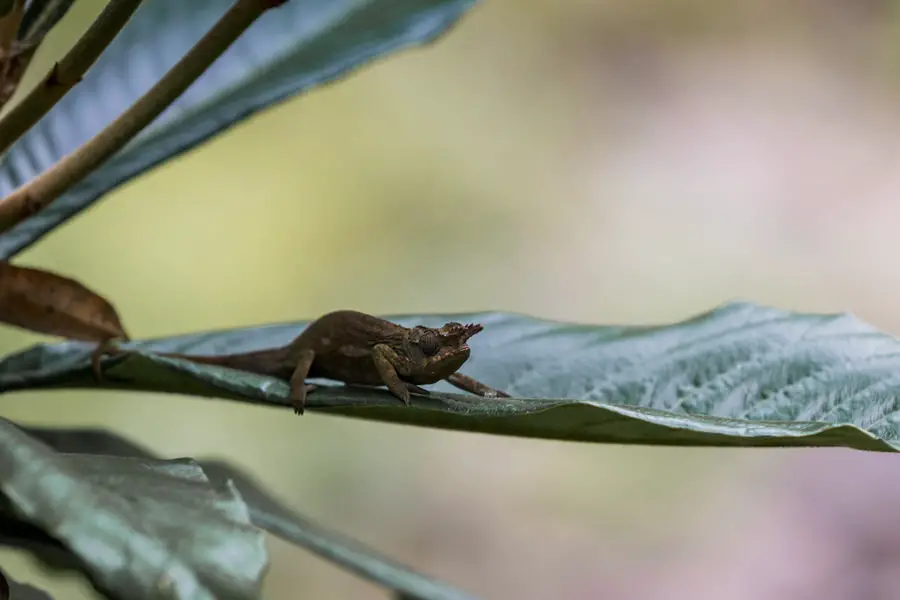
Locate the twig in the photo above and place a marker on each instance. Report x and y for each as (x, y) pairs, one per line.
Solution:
(42, 190)
(67, 72)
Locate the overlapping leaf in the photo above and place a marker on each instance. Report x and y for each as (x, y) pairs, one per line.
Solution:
(269, 514)
(297, 46)
(742, 375)
(141, 528)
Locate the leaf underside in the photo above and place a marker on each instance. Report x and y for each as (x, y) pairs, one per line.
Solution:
(265, 512)
(741, 375)
(141, 528)
(290, 49)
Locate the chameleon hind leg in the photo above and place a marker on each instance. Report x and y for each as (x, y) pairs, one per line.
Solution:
(299, 387)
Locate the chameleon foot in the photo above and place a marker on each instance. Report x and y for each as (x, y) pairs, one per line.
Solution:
(298, 397)
(104, 348)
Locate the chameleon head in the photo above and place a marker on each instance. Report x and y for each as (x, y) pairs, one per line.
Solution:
(442, 351)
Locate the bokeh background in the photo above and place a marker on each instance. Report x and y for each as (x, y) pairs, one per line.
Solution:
(603, 161)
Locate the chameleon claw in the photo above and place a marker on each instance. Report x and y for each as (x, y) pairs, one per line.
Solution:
(417, 390)
(298, 398)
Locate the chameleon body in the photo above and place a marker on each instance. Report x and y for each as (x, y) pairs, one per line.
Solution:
(360, 349)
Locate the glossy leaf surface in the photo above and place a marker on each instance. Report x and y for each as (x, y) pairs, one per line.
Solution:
(270, 514)
(142, 528)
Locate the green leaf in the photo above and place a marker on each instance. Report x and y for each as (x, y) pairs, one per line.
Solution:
(742, 375)
(141, 528)
(269, 514)
(290, 49)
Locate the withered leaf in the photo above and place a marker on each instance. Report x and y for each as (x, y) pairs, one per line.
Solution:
(49, 303)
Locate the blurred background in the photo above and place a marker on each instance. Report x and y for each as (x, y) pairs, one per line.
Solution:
(602, 161)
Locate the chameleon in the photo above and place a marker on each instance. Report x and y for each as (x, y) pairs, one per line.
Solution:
(357, 349)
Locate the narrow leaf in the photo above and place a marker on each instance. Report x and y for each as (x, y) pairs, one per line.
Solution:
(144, 529)
(40, 17)
(269, 514)
(742, 375)
(291, 49)
(11, 12)
(49, 303)
(354, 556)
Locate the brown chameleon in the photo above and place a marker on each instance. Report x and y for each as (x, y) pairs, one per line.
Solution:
(356, 348)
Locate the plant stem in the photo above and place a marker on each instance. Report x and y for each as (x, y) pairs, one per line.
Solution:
(67, 72)
(72, 168)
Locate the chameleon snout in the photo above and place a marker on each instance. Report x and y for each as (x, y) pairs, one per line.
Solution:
(467, 331)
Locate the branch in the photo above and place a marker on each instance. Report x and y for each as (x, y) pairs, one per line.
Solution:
(67, 72)
(42, 190)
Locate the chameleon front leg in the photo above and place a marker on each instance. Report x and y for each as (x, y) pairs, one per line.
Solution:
(473, 386)
(299, 388)
(385, 357)
(104, 348)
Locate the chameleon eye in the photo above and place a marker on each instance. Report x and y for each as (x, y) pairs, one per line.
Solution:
(429, 343)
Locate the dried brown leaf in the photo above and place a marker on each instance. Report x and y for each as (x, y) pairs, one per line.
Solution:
(49, 303)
